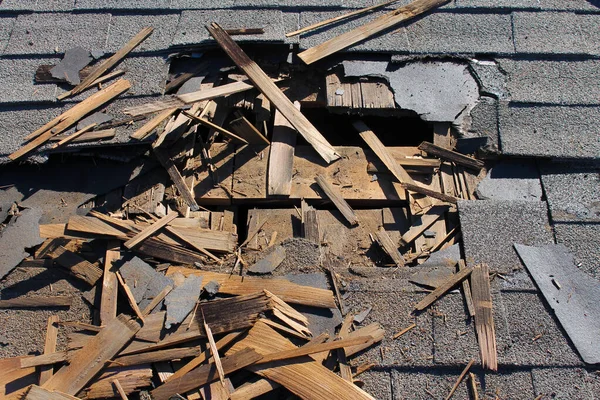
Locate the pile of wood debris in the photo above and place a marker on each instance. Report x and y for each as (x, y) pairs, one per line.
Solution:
(233, 335)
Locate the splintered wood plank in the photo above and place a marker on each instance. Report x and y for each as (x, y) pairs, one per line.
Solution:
(73, 136)
(156, 356)
(110, 286)
(37, 301)
(88, 136)
(284, 289)
(467, 290)
(130, 298)
(484, 318)
(376, 95)
(336, 198)
(215, 92)
(207, 239)
(205, 374)
(109, 62)
(77, 266)
(460, 379)
(120, 389)
(46, 371)
(303, 376)
(96, 226)
(89, 361)
(450, 155)
(428, 192)
(369, 29)
(151, 125)
(214, 126)
(443, 288)
(151, 230)
(184, 191)
(132, 379)
(70, 117)
(273, 93)
(311, 226)
(314, 348)
(388, 160)
(281, 157)
(243, 128)
(389, 247)
(424, 222)
(340, 18)
(37, 393)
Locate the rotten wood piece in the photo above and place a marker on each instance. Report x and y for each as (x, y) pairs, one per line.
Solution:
(130, 297)
(132, 379)
(284, 289)
(151, 230)
(245, 31)
(184, 191)
(304, 376)
(281, 156)
(443, 288)
(389, 247)
(46, 371)
(369, 29)
(484, 319)
(38, 393)
(428, 192)
(37, 301)
(388, 160)
(243, 128)
(156, 356)
(151, 125)
(77, 266)
(274, 94)
(450, 155)
(336, 198)
(70, 117)
(89, 361)
(425, 221)
(310, 226)
(340, 18)
(205, 374)
(109, 63)
(110, 287)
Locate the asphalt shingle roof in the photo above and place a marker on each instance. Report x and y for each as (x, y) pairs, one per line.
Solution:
(537, 70)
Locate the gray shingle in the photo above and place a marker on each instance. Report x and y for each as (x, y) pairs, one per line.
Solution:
(122, 4)
(548, 32)
(582, 241)
(549, 131)
(19, 121)
(37, 5)
(391, 41)
(43, 33)
(378, 384)
(576, 5)
(6, 26)
(17, 5)
(291, 22)
(561, 383)
(415, 384)
(480, 33)
(191, 29)
(590, 30)
(392, 310)
(197, 5)
(124, 27)
(506, 385)
(554, 82)
(573, 191)
(454, 332)
(484, 119)
(17, 80)
(490, 228)
(303, 4)
(528, 318)
(511, 180)
(491, 79)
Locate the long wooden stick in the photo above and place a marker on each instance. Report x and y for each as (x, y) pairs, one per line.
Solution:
(214, 126)
(340, 18)
(73, 136)
(459, 380)
(46, 372)
(150, 230)
(368, 30)
(274, 94)
(443, 288)
(111, 61)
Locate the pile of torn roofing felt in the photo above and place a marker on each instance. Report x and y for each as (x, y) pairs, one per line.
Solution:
(237, 336)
